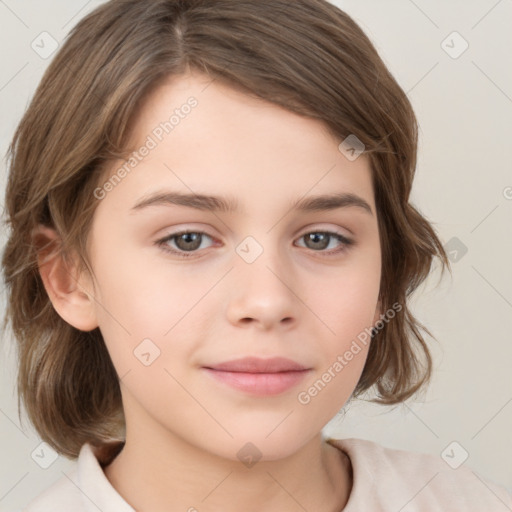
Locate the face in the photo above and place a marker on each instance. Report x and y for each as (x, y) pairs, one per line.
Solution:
(261, 277)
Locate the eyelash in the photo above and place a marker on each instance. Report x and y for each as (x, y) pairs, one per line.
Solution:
(162, 243)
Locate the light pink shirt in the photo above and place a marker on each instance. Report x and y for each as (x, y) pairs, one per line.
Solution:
(384, 479)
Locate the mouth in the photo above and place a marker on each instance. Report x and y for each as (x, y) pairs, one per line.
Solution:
(259, 376)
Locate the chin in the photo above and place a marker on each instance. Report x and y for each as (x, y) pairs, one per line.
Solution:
(257, 445)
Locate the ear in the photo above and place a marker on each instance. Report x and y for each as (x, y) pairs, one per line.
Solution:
(67, 290)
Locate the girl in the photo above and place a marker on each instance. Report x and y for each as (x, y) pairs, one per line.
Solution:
(212, 251)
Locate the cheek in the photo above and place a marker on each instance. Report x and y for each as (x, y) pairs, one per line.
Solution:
(138, 294)
(346, 310)
(345, 301)
(154, 302)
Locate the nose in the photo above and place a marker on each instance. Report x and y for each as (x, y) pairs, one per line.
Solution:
(264, 293)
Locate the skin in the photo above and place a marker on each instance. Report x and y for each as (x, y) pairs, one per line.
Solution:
(183, 428)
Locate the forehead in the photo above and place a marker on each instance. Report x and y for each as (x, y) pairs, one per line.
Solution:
(231, 143)
(222, 110)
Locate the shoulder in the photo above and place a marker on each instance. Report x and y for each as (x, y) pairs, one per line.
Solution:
(409, 481)
(84, 489)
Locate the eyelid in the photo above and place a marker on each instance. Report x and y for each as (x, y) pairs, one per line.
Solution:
(319, 228)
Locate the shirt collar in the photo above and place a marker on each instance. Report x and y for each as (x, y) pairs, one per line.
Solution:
(97, 492)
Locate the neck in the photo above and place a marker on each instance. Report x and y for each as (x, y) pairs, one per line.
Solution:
(164, 472)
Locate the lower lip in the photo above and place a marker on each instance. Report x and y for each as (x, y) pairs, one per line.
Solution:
(259, 383)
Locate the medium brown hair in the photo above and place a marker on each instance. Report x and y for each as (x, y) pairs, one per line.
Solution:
(304, 55)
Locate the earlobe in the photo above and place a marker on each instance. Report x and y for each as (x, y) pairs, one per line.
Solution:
(68, 291)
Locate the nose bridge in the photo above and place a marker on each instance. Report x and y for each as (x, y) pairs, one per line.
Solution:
(263, 274)
(264, 255)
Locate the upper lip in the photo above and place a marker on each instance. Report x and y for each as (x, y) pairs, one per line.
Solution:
(258, 365)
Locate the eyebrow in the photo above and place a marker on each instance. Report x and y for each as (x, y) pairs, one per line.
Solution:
(229, 204)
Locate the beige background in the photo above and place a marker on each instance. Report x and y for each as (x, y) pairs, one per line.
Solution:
(463, 185)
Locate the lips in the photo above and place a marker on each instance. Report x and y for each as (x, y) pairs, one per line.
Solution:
(257, 376)
(258, 365)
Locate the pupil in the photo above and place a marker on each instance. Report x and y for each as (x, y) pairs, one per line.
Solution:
(190, 240)
(321, 238)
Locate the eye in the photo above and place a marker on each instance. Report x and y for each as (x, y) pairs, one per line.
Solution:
(321, 240)
(188, 243)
